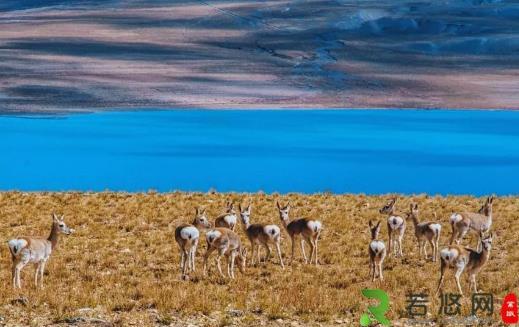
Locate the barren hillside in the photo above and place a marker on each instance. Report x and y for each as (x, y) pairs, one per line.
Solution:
(81, 55)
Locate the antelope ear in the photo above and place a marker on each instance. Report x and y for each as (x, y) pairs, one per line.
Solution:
(196, 211)
(416, 206)
(202, 211)
(378, 224)
(411, 206)
(277, 204)
(239, 207)
(370, 224)
(54, 217)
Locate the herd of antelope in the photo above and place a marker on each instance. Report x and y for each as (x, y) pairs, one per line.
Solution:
(227, 243)
(453, 256)
(223, 239)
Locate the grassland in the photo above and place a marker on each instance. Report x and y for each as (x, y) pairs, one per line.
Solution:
(121, 265)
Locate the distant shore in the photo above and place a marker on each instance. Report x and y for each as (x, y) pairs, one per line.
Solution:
(65, 111)
(256, 54)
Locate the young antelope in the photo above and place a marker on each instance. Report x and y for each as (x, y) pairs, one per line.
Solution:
(228, 244)
(187, 237)
(465, 259)
(395, 227)
(228, 219)
(260, 234)
(36, 250)
(462, 222)
(377, 252)
(309, 230)
(425, 232)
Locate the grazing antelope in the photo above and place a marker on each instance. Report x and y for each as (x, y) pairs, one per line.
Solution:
(187, 237)
(228, 219)
(36, 250)
(377, 252)
(260, 234)
(228, 244)
(425, 232)
(396, 226)
(465, 259)
(309, 230)
(481, 221)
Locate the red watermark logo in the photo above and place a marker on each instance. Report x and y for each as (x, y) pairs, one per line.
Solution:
(509, 309)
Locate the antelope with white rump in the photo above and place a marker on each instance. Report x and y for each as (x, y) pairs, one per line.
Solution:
(308, 229)
(260, 235)
(36, 250)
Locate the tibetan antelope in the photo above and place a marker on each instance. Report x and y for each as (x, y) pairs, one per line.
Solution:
(377, 252)
(425, 232)
(187, 237)
(465, 259)
(228, 219)
(396, 226)
(228, 244)
(481, 221)
(308, 229)
(36, 250)
(260, 234)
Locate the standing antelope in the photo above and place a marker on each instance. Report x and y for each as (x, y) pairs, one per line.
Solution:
(465, 259)
(260, 234)
(425, 232)
(481, 221)
(187, 237)
(35, 250)
(228, 244)
(377, 252)
(309, 230)
(228, 219)
(395, 227)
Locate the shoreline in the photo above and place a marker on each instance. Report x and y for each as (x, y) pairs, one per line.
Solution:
(83, 111)
(252, 194)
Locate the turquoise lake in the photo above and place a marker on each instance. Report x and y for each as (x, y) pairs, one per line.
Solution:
(347, 151)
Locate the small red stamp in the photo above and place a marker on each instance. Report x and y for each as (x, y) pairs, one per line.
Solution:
(509, 309)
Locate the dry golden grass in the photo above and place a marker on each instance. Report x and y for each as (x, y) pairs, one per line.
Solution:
(121, 265)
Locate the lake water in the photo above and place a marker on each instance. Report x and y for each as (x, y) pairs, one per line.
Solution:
(368, 151)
